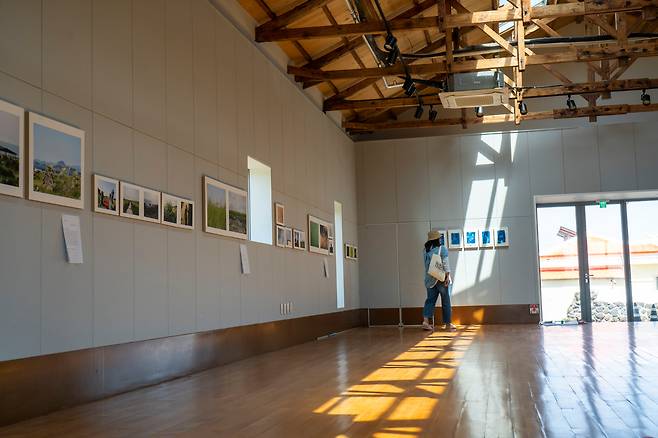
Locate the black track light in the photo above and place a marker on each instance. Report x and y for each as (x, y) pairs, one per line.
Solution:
(479, 111)
(419, 111)
(392, 56)
(391, 42)
(523, 108)
(408, 86)
(571, 104)
(433, 113)
(645, 98)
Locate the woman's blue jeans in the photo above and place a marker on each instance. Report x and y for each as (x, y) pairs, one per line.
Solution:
(430, 303)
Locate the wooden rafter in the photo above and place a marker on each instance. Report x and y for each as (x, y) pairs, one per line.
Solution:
(291, 15)
(607, 110)
(610, 51)
(528, 93)
(585, 7)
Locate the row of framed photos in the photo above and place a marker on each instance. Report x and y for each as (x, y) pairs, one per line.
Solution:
(120, 198)
(473, 238)
(56, 152)
(320, 233)
(351, 252)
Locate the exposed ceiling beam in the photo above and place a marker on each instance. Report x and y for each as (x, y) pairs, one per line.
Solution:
(586, 7)
(291, 15)
(528, 93)
(565, 55)
(356, 42)
(607, 110)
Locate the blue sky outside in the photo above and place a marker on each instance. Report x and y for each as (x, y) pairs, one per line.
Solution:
(53, 146)
(9, 131)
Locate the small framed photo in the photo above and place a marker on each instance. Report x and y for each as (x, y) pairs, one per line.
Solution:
(279, 214)
(177, 212)
(455, 239)
(12, 149)
(318, 234)
(283, 237)
(470, 238)
(57, 162)
(486, 238)
(130, 200)
(106, 195)
(442, 237)
(298, 239)
(502, 237)
(151, 209)
(355, 252)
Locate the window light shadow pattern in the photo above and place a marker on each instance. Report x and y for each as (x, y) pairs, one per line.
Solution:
(403, 396)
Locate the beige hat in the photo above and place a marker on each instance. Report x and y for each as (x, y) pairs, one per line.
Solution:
(433, 235)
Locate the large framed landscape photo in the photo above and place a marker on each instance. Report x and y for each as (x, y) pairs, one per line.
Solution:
(12, 149)
(57, 156)
(224, 209)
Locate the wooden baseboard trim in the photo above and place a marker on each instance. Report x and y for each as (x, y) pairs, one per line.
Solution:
(39, 385)
(498, 314)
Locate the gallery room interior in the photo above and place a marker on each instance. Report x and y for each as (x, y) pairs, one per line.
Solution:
(329, 218)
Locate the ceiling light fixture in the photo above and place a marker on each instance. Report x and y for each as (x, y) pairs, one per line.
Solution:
(571, 104)
(479, 111)
(645, 98)
(523, 108)
(433, 113)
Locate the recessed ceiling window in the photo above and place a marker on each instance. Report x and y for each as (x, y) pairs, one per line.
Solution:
(260, 201)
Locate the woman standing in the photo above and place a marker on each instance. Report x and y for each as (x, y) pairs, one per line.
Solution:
(436, 287)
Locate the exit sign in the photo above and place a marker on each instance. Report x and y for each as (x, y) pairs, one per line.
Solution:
(603, 204)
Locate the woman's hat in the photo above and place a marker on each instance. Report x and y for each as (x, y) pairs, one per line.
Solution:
(433, 235)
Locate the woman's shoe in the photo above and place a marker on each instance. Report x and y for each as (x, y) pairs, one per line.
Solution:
(427, 327)
(450, 327)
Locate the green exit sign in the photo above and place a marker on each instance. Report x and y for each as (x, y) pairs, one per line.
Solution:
(603, 204)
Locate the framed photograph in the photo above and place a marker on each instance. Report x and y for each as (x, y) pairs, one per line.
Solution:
(443, 237)
(455, 239)
(279, 214)
(224, 209)
(106, 195)
(280, 236)
(298, 239)
(151, 209)
(318, 232)
(12, 149)
(130, 200)
(177, 212)
(170, 210)
(288, 238)
(187, 214)
(355, 252)
(501, 237)
(486, 238)
(57, 161)
(331, 246)
(470, 238)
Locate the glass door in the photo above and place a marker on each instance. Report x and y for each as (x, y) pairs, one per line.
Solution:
(605, 260)
(643, 255)
(559, 264)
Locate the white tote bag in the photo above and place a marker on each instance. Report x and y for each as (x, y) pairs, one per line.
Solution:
(436, 268)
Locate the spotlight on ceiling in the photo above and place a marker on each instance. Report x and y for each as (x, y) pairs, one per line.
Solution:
(390, 42)
(409, 87)
(433, 113)
(645, 98)
(523, 108)
(479, 111)
(419, 112)
(392, 56)
(571, 104)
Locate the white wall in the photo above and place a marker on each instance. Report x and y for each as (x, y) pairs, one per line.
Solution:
(167, 91)
(408, 186)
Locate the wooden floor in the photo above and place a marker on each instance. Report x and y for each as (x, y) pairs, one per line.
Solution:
(499, 381)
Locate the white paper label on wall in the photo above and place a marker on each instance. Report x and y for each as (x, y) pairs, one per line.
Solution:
(326, 267)
(72, 238)
(244, 259)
